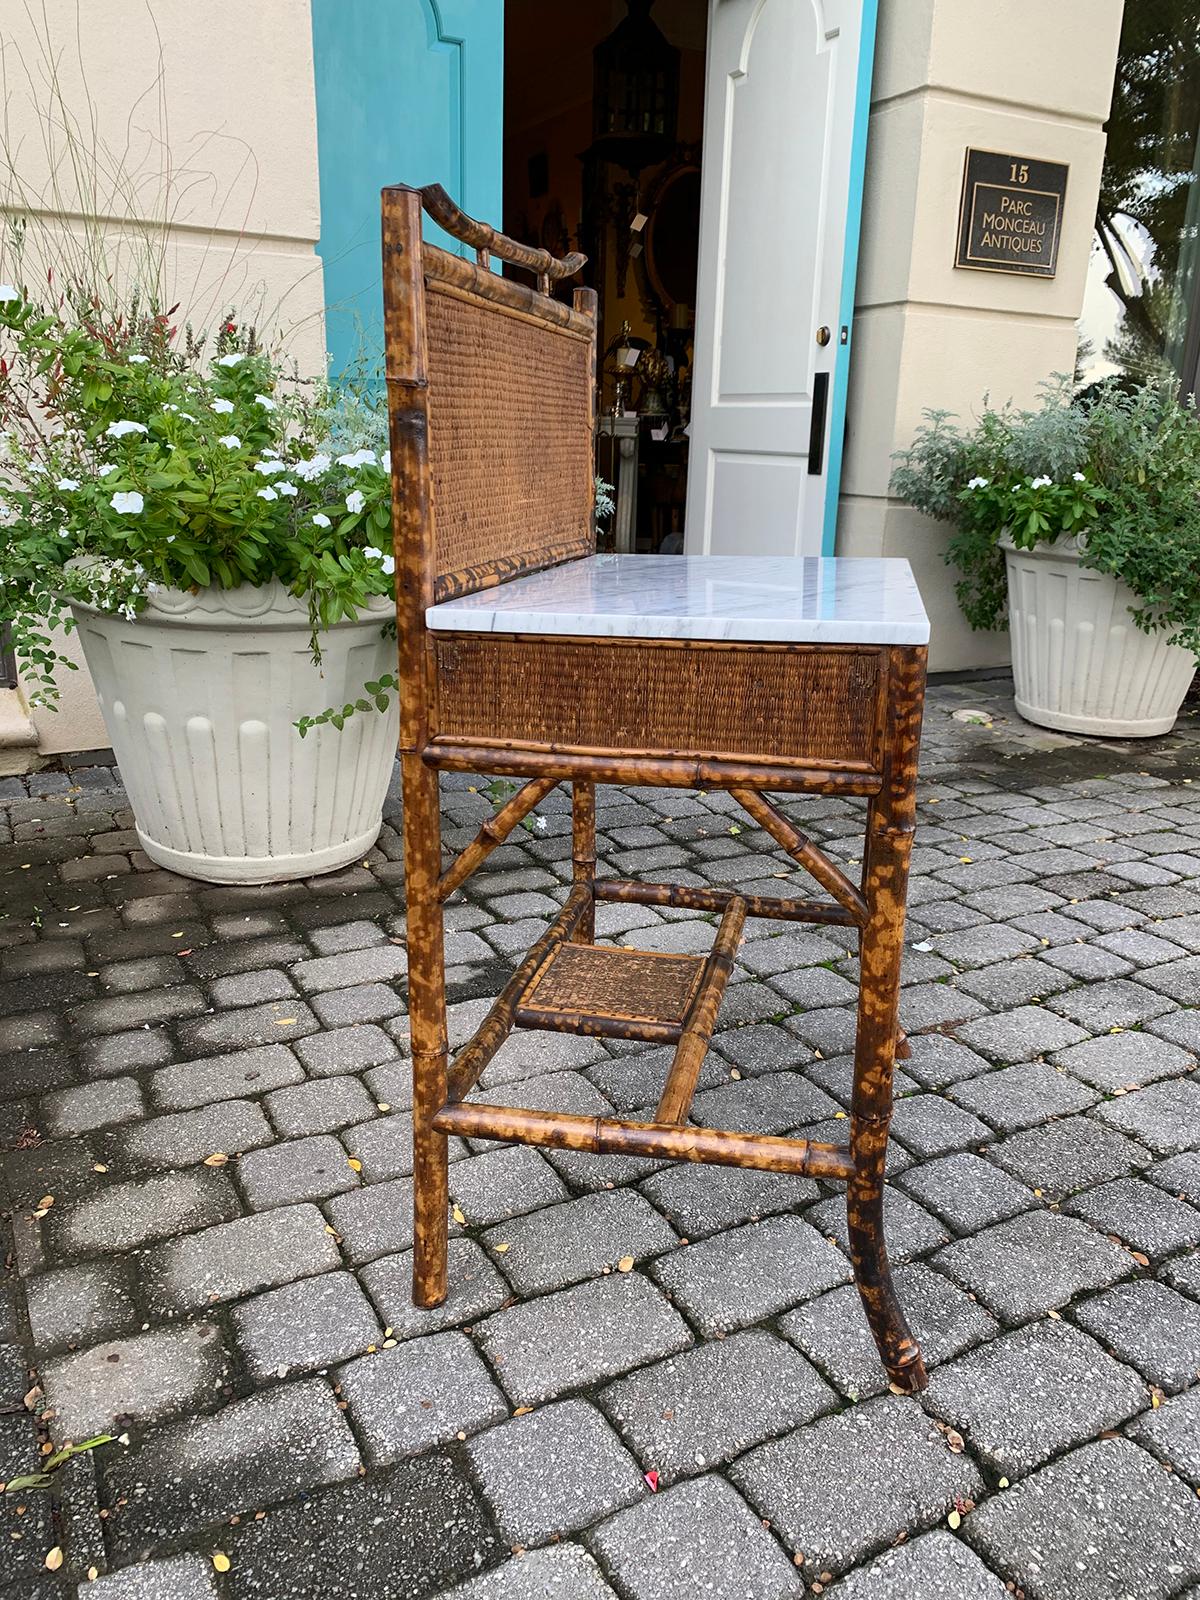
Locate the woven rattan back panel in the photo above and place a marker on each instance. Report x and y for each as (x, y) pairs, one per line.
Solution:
(510, 441)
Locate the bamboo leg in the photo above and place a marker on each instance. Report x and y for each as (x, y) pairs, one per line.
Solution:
(427, 1018)
(888, 848)
(583, 853)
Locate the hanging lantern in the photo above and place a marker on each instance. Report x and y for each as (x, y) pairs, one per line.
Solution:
(635, 92)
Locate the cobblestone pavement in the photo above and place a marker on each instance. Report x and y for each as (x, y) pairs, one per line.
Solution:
(203, 1099)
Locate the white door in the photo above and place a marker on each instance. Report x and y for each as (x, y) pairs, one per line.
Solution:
(776, 179)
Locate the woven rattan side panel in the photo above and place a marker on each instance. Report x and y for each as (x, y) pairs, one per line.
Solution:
(804, 703)
(510, 441)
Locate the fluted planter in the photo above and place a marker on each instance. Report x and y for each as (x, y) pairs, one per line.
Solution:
(1080, 662)
(200, 695)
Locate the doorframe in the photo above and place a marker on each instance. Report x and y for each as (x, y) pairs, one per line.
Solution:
(854, 199)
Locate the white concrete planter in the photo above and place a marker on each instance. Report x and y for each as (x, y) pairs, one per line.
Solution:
(1080, 662)
(199, 696)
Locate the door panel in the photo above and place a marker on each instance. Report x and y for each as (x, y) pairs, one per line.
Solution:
(781, 91)
(407, 91)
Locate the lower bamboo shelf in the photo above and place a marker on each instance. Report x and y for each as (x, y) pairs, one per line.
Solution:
(611, 992)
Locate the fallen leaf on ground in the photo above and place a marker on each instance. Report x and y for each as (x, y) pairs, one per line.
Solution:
(221, 1561)
(217, 1159)
(54, 1558)
(625, 1264)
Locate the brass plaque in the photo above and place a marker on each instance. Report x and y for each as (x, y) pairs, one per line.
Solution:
(1010, 214)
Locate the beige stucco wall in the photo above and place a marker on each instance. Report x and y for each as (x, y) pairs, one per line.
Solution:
(1028, 77)
(219, 93)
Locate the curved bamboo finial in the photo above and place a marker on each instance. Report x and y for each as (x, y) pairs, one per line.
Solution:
(489, 241)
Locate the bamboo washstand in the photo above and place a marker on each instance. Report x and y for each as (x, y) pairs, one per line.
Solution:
(524, 653)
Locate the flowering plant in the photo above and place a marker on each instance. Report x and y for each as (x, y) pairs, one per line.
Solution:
(1119, 471)
(129, 462)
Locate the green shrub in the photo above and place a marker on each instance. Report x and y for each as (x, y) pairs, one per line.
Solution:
(1117, 470)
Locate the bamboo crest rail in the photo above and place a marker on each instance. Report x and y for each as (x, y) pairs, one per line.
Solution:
(491, 395)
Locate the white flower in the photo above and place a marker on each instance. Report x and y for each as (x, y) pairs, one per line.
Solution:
(385, 461)
(265, 401)
(267, 494)
(231, 360)
(321, 520)
(167, 407)
(372, 554)
(118, 430)
(187, 416)
(273, 464)
(1040, 483)
(128, 504)
(104, 471)
(540, 824)
(312, 468)
(357, 458)
(1079, 477)
(137, 361)
(7, 293)
(355, 501)
(230, 441)
(223, 406)
(283, 487)
(67, 483)
(978, 483)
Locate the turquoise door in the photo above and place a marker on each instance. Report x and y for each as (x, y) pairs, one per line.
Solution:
(408, 91)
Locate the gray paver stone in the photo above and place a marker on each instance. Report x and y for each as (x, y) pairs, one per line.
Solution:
(321, 1107)
(392, 1535)
(1073, 1153)
(1019, 1035)
(935, 1565)
(279, 1022)
(833, 1332)
(832, 1490)
(100, 1104)
(186, 1474)
(1165, 1116)
(930, 1126)
(966, 1191)
(305, 1325)
(568, 1446)
(698, 1538)
(1115, 1003)
(1032, 1394)
(563, 1244)
(699, 1200)
(175, 1578)
(192, 1136)
(419, 1394)
(1172, 1431)
(76, 1305)
(376, 1220)
(366, 1002)
(129, 1215)
(475, 1288)
(298, 1169)
(1033, 1264)
(1103, 1523)
(750, 1272)
(349, 1049)
(236, 1258)
(937, 1061)
(1152, 1327)
(573, 1338)
(504, 1183)
(704, 1406)
(189, 1084)
(1141, 1214)
(1013, 1098)
(559, 1572)
(144, 1379)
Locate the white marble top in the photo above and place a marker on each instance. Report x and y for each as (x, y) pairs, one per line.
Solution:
(788, 599)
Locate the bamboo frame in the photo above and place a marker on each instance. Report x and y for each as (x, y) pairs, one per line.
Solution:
(494, 832)
(696, 1036)
(561, 1130)
(878, 691)
(802, 850)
